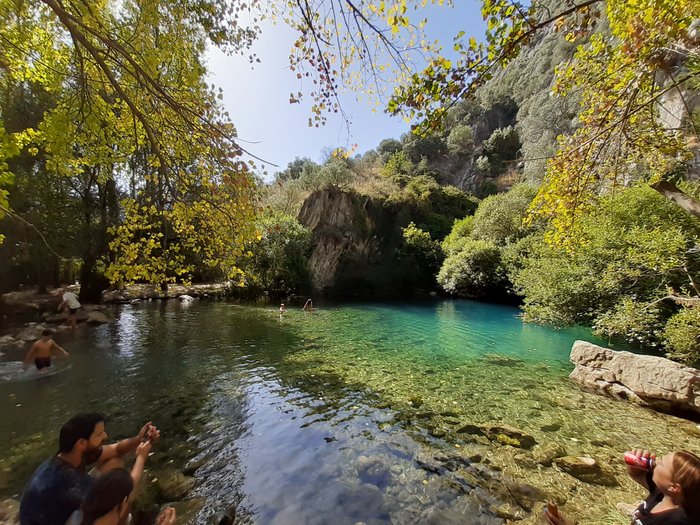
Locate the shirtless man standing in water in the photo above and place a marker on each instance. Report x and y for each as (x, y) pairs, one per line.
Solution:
(41, 352)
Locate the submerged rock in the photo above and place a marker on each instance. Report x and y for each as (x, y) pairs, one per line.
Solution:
(373, 470)
(585, 469)
(174, 486)
(365, 501)
(525, 495)
(9, 512)
(449, 517)
(546, 454)
(647, 380)
(511, 436)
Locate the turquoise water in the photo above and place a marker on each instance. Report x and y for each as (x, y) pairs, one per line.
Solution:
(349, 414)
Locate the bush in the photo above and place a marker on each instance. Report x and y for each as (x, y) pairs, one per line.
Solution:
(682, 336)
(633, 321)
(499, 218)
(458, 236)
(632, 250)
(421, 252)
(278, 262)
(474, 272)
(502, 146)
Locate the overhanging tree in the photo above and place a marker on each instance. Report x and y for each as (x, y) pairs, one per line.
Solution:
(132, 110)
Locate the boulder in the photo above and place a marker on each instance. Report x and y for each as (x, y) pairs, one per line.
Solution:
(7, 342)
(650, 381)
(185, 298)
(96, 317)
(31, 332)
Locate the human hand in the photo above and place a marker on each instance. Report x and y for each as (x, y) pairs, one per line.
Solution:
(143, 433)
(550, 518)
(153, 434)
(143, 449)
(166, 517)
(639, 470)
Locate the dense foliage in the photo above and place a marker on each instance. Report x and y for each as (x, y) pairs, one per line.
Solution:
(277, 263)
(631, 274)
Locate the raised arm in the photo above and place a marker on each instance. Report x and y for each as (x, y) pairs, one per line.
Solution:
(128, 445)
(142, 451)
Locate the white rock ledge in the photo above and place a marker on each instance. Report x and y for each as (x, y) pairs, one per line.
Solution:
(650, 381)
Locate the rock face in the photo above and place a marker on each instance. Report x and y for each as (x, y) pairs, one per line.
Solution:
(650, 381)
(354, 240)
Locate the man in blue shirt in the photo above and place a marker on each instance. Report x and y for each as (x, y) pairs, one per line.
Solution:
(58, 486)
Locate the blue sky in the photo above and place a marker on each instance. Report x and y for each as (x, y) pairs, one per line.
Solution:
(257, 98)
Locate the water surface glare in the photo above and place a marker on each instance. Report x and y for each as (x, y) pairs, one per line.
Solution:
(380, 413)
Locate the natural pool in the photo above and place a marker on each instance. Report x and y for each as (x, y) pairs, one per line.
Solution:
(363, 413)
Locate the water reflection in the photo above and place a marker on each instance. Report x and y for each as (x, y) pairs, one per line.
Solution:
(373, 413)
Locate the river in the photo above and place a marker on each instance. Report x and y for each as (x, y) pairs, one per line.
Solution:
(373, 413)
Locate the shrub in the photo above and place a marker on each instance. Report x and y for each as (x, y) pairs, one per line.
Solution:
(475, 271)
(682, 336)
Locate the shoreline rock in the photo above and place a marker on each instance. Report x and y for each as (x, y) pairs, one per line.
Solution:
(649, 381)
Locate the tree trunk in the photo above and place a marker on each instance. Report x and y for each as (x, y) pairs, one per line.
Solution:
(91, 281)
(672, 192)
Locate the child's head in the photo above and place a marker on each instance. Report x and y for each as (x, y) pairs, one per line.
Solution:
(109, 493)
(678, 475)
(47, 332)
(686, 472)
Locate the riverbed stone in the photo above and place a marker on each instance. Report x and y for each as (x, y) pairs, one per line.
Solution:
(364, 501)
(174, 485)
(30, 332)
(7, 342)
(9, 512)
(546, 454)
(373, 470)
(647, 380)
(436, 516)
(511, 436)
(525, 495)
(586, 469)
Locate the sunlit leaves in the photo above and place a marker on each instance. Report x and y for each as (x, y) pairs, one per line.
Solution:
(132, 107)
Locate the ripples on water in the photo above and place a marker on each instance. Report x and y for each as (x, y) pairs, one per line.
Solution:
(349, 414)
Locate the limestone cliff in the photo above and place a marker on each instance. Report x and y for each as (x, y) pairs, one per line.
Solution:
(355, 241)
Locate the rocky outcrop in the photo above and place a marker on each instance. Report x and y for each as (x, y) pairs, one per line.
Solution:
(354, 241)
(647, 380)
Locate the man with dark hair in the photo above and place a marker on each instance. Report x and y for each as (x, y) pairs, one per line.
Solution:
(59, 485)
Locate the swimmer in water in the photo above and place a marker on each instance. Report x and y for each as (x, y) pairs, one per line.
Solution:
(41, 352)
